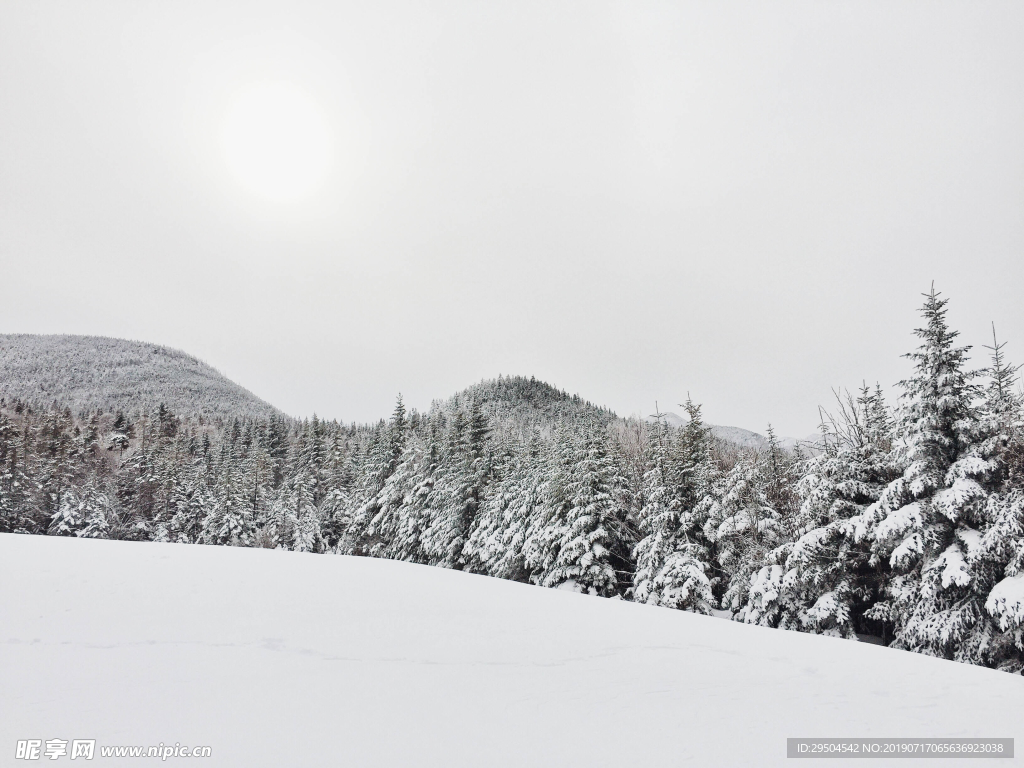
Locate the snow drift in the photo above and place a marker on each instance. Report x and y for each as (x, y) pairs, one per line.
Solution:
(276, 658)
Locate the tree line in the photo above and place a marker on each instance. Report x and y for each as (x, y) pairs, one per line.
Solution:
(905, 523)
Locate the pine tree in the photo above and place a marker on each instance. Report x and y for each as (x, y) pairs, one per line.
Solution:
(193, 503)
(747, 520)
(458, 490)
(99, 518)
(998, 557)
(384, 453)
(12, 480)
(830, 579)
(229, 520)
(585, 512)
(496, 543)
(926, 521)
(672, 560)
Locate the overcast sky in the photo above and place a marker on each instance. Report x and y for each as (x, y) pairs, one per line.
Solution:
(630, 200)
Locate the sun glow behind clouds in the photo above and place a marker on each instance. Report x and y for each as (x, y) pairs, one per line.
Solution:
(276, 141)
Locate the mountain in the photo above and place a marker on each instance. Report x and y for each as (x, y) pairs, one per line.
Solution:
(88, 373)
(276, 658)
(743, 438)
(524, 404)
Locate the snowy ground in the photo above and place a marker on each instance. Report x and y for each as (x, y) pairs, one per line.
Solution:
(282, 659)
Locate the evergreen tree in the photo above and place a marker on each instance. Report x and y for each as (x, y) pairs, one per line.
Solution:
(672, 560)
(830, 577)
(584, 513)
(927, 520)
(384, 454)
(99, 518)
(458, 489)
(229, 520)
(747, 520)
(497, 543)
(998, 558)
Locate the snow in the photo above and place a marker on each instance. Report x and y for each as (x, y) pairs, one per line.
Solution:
(1006, 601)
(949, 501)
(972, 539)
(952, 567)
(278, 658)
(900, 521)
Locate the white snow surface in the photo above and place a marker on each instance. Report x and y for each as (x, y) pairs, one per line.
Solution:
(278, 658)
(1006, 601)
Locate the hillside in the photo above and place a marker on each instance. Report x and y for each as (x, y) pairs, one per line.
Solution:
(90, 373)
(332, 660)
(523, 404)
(527, 403)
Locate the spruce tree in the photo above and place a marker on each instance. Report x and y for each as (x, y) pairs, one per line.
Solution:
(748, 518)
(998, 558)
(585, 513)
(672, 560)
(926, 521)
(830, 578)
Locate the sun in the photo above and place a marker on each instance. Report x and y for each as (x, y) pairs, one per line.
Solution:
(276, 141)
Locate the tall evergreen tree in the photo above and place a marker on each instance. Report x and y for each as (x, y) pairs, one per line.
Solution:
(927, 520)
(585, 512)
(672, 560)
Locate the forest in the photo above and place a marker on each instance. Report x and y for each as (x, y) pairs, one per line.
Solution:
(903, 524)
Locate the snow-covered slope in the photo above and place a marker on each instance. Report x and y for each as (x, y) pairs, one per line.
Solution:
(274, 659)
(93, 372)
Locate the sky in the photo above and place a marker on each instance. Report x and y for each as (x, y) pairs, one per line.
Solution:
(334, 202)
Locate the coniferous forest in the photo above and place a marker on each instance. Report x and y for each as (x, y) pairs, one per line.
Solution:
(903, 524)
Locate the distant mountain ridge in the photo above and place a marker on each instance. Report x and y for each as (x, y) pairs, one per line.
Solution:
(744, 438)
(89, 373)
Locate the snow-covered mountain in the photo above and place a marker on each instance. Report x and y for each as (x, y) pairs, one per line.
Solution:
(91, 373)
(276, 658)
(96, 373)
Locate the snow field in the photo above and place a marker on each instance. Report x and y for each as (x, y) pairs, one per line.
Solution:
(277, 659)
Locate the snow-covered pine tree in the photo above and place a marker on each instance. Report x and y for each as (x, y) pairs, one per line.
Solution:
(230, 517)
(656, 515)
(13, 480)
(55, 467)
(926, 521)
(458, 490)
(497, 542)
(69, 517)
(391, 504)
(830, 578)
(748, 518)
(100, 518)
(192, 502)
(335, 519)
(585, 513)
(999, 555)
(418, 503)
(485, 546)
(384, 453)
(121, 434)
(672, 560)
